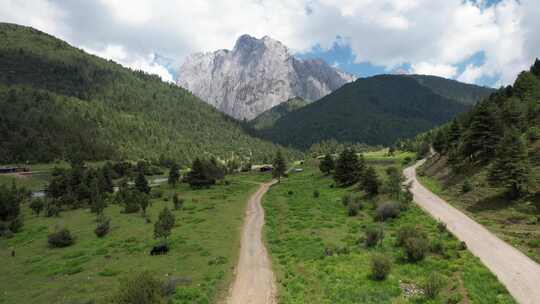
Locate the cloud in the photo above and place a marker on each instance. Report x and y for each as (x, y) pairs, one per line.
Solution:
(430, 36)
(426, 68)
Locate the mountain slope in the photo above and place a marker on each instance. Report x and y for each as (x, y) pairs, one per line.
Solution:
(468, 94)
(269, 117)
(375, 110)
(57, 101)
(256, 75)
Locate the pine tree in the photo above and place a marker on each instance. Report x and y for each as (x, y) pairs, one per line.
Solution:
(327, 164)
(511, 168)
(174, 175)
(164, 224)
(97, 203)
(454, 135)
(347, 168)
(279, 166)
(198, 177)
(482, 136)
(439, 141)
(535, 69)
(141, 184)
(370, 182)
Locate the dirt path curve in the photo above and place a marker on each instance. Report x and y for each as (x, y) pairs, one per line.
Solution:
(254, 281)
(516, 271)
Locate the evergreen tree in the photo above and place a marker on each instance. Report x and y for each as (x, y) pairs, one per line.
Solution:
(327, 164)
(439, 141)
(164, 224)
(347, 168)
(535, 69)
(454, 135)
(97, 203)
(370, 183)
(482, 136)
(511, 167)
(141, 184)
(394, 182)
(37, 205)
(143, 201)
(174, 175)
(280, 167)
(198, 177)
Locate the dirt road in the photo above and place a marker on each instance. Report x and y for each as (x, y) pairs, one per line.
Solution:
(254, 280)
(517, 272)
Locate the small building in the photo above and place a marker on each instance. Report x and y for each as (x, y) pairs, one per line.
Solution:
(266, 169)
(8, 170)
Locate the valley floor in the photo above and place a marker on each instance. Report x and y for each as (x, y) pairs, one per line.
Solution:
(319, 256)
(204, 248)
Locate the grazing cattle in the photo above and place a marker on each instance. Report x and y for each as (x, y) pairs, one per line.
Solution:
(160, 249)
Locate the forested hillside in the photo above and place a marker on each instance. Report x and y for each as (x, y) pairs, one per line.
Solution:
(468, 94)
(374, 110)
(58, 101)
(268, 118)
(487, 162)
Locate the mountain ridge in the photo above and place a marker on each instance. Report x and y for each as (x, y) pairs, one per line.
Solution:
(256, 75)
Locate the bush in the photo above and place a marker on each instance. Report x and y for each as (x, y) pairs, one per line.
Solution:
(352, 209)
(61, 238)
(16, 224)
(37, 205)
(380, 266)
(441, 227)
(416, 248)
(131, 207)
(467, 186)
(178, 202)
(103, 226)
(346, 199)
(316, 194)
(290, 192)
(143, 288)
(462, 246)
(387, 210)
(433, 284)
(405, 232)
(374, 236)
(52, 210)
(436, 246)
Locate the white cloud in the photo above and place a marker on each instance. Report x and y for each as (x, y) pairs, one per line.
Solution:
(432, 36)
(426, 68)
(471, 74)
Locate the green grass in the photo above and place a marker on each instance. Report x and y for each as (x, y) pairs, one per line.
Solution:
(301, 227)
(204, 247)
(516, 222)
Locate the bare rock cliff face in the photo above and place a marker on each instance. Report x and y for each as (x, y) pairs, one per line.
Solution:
(255, 76)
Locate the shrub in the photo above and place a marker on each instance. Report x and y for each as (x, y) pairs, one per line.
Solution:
(387, 210)
(143, 288)
(346, 199)
(132, 207)
(433, 284)
(416, 248)
(441, 227)
(52, 210)
(37, 205)
(290, 192)
(405, 232)
(316, 194)
(60, 238)
(16, 224)
(380, 266)
(178, 202)
(103, 226)
(467, 186)
(436, 246)
(352, 209)
(462, 246)
(374, 236)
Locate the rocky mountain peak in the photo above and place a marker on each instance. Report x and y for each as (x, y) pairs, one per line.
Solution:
(255, 76)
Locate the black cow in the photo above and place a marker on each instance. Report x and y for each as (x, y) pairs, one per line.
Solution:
(160, 249)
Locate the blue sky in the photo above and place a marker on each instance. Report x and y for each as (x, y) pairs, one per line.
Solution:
(341, 55)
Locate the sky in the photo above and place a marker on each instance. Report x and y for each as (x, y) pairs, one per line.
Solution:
(485, 42)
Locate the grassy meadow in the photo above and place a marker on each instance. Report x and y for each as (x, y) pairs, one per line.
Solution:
(516, 222)
(204, 246)
(318, 258)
